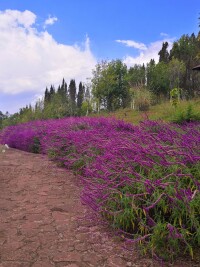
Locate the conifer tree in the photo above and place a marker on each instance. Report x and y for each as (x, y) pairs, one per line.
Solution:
(163, 53)
(80, 96)
(46, 95)
(52, 92)
(59, 90)
(72, 96)
(63, 89)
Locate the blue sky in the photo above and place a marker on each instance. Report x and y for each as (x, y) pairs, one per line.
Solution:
(45, 40)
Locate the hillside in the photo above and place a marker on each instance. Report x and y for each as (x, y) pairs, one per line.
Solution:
(164, 111)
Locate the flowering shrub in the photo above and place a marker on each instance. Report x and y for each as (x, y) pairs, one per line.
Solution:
(144, 180)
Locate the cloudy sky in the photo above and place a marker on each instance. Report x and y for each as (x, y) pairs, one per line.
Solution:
(43, 41)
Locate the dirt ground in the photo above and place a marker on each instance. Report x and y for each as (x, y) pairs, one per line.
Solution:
(42, 220)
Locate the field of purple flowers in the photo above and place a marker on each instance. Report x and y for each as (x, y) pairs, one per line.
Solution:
(144, 180)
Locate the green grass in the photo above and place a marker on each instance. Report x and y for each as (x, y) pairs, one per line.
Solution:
(164, 111)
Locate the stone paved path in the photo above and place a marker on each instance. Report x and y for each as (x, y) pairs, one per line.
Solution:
(40, 223)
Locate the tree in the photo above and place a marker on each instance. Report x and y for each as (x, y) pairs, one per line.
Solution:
(158, 79)
(86, 105)
(98, 84)
(186, 49)
(40, 105)
(72, 97)
(163, 53)
(63, 99)
(176, 72)
(51, 92)
(62, 90)
(26, 114)
(110, 85)
(47, 96)
(80, 96)
(136, 76)
(150, 72)
(136, 80)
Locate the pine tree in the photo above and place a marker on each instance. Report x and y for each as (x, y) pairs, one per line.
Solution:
(46, 96)
(63, 89)
(59, 90)
(80, 96)
(62, 100)
(52, 92)
(72, 97)
(163, 53)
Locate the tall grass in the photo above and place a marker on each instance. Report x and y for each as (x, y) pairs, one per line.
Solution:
(164, 111)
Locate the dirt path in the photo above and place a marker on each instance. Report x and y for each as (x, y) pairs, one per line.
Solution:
(40, 223)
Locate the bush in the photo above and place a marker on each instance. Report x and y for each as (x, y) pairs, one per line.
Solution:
(142, 99)
(187, 115)
(35, 146)
(175, 96)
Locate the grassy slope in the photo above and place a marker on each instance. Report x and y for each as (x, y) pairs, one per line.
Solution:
(163, 111)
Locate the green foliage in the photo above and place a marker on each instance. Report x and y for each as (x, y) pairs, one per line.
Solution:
(78, 165)
(2, 118)
(110, 86)
(80, 97)
(52, 153)
(175, 230)
(158, 78)
(136, 76)
(163, 53)
(186, 50)
(181, 116)
(175, 96)
(86, 108)
(72, 97)
(163, 111)
(35, 148)
(176, 72)
(58, 107)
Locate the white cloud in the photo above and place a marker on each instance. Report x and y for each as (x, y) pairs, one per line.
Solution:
(14, 18)
(145, 55)
(32, 59)
(131, 43)
(164, 34)
(50, 21)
